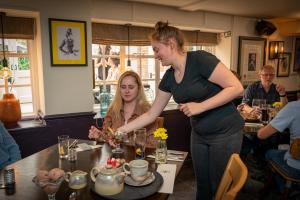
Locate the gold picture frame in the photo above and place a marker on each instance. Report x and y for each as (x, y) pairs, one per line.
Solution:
(67, 42)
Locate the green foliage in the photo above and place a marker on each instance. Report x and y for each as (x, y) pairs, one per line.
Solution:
(23, 63)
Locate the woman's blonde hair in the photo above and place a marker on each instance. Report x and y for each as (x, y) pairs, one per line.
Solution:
(163, 33)
(117, 104)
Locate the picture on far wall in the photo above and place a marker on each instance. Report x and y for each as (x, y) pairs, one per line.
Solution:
(283, 67)
(296, 66)
(251, 57)
(67, 42)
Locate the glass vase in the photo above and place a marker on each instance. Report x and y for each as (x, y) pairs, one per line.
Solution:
(161, 151)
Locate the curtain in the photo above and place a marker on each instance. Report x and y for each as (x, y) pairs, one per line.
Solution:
(139, 36)
(18, 27)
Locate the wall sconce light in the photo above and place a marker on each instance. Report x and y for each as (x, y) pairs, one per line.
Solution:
(275, 49)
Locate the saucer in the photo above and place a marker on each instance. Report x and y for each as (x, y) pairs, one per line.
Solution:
(129, 181)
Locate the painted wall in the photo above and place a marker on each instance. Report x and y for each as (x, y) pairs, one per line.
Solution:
(66, 89)
(69, 89)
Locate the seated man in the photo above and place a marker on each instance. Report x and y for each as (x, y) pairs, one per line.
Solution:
(288, 117)
(9, 150)
(265, 88)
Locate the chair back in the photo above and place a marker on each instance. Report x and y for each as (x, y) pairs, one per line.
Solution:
(233, 179)
(295, 149)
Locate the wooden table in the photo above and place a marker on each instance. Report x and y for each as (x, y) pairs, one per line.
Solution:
(252, 128)
(47, 159)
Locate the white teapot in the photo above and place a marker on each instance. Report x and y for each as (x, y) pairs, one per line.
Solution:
(108, 181)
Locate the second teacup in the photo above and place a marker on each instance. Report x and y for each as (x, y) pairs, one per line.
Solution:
(138, 169)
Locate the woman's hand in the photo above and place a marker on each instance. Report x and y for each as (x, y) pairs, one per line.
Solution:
(94, 133)
(191, 109)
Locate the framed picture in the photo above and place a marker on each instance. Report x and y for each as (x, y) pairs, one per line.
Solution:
(250, 58)
(68, 42)
(296, 66)
(283, 67)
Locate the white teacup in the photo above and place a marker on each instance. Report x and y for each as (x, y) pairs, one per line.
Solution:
(138, 169)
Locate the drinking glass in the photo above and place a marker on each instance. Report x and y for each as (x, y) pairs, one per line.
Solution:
(256, 103)
(264, 114)
(63, 146)
(48, 186)
(140, 139)
(119, 136)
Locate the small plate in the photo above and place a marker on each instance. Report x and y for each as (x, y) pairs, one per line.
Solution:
(129, 181)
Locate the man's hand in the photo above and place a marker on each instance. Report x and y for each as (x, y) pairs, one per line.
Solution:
(280, 89)
(191, 109)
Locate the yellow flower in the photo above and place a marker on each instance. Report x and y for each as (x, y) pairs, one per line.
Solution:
(277, 104)
(161, 133)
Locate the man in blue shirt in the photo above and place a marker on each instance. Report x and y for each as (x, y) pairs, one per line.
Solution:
(265, 88)
(9, 150)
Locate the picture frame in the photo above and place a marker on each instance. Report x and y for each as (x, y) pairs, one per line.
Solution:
(283, 66)
(251, 56)
(67, 42)
(296, 66)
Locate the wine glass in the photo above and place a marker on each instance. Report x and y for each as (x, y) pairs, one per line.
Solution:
(50, 187)
(118, 138)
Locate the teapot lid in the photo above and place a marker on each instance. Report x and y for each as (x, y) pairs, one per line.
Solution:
(108, 171)
(79, 172)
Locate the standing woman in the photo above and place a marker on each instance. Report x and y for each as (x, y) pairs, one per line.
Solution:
(204, 88)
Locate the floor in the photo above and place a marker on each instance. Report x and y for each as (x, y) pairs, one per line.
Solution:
(185, 187)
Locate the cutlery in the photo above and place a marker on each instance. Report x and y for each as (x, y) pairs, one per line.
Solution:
(74, 143)
(175, 152)
(146, 178)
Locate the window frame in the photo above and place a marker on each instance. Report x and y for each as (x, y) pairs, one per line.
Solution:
(32, 76)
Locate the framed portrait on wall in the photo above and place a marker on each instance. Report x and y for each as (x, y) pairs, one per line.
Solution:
(283, 67)
(296, 66)
(251, 57)
(67, 42)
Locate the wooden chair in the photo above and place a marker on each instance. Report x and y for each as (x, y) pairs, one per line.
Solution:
(233, 179)
(289, 179)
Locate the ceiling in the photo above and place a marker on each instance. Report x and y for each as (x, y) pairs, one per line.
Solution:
(267, 9)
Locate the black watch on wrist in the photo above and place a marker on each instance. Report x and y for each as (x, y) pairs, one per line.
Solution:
(283, 95)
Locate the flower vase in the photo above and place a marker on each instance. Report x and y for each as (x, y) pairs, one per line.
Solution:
(161, 151)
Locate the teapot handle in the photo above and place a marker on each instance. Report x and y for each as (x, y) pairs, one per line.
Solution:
(124, 168)
(67, 176)
(94, 173)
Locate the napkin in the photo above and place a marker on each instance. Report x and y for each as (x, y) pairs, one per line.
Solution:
(168, 172)
(170, 158)
(85, 146)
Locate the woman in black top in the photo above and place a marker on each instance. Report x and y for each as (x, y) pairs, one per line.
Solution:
(204, 88)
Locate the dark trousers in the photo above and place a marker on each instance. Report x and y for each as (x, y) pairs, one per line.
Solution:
(210, 158)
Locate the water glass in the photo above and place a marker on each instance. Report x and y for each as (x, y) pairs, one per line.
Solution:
(63, 146)
(256, 103)
(140, 139)
(72, 157)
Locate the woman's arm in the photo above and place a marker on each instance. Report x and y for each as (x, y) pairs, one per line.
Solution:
(232, 88)
(161, 100)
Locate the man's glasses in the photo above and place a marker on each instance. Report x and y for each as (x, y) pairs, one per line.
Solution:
(265, 75)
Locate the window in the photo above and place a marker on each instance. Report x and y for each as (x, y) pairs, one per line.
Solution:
(18, 55)
(142, 61)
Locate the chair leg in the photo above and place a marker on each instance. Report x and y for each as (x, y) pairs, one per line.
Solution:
(269, 183)
(285, 194)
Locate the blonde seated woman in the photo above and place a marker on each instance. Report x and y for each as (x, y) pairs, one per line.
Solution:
(128, 104)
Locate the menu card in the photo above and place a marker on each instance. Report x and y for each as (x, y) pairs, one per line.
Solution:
(168, 172)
